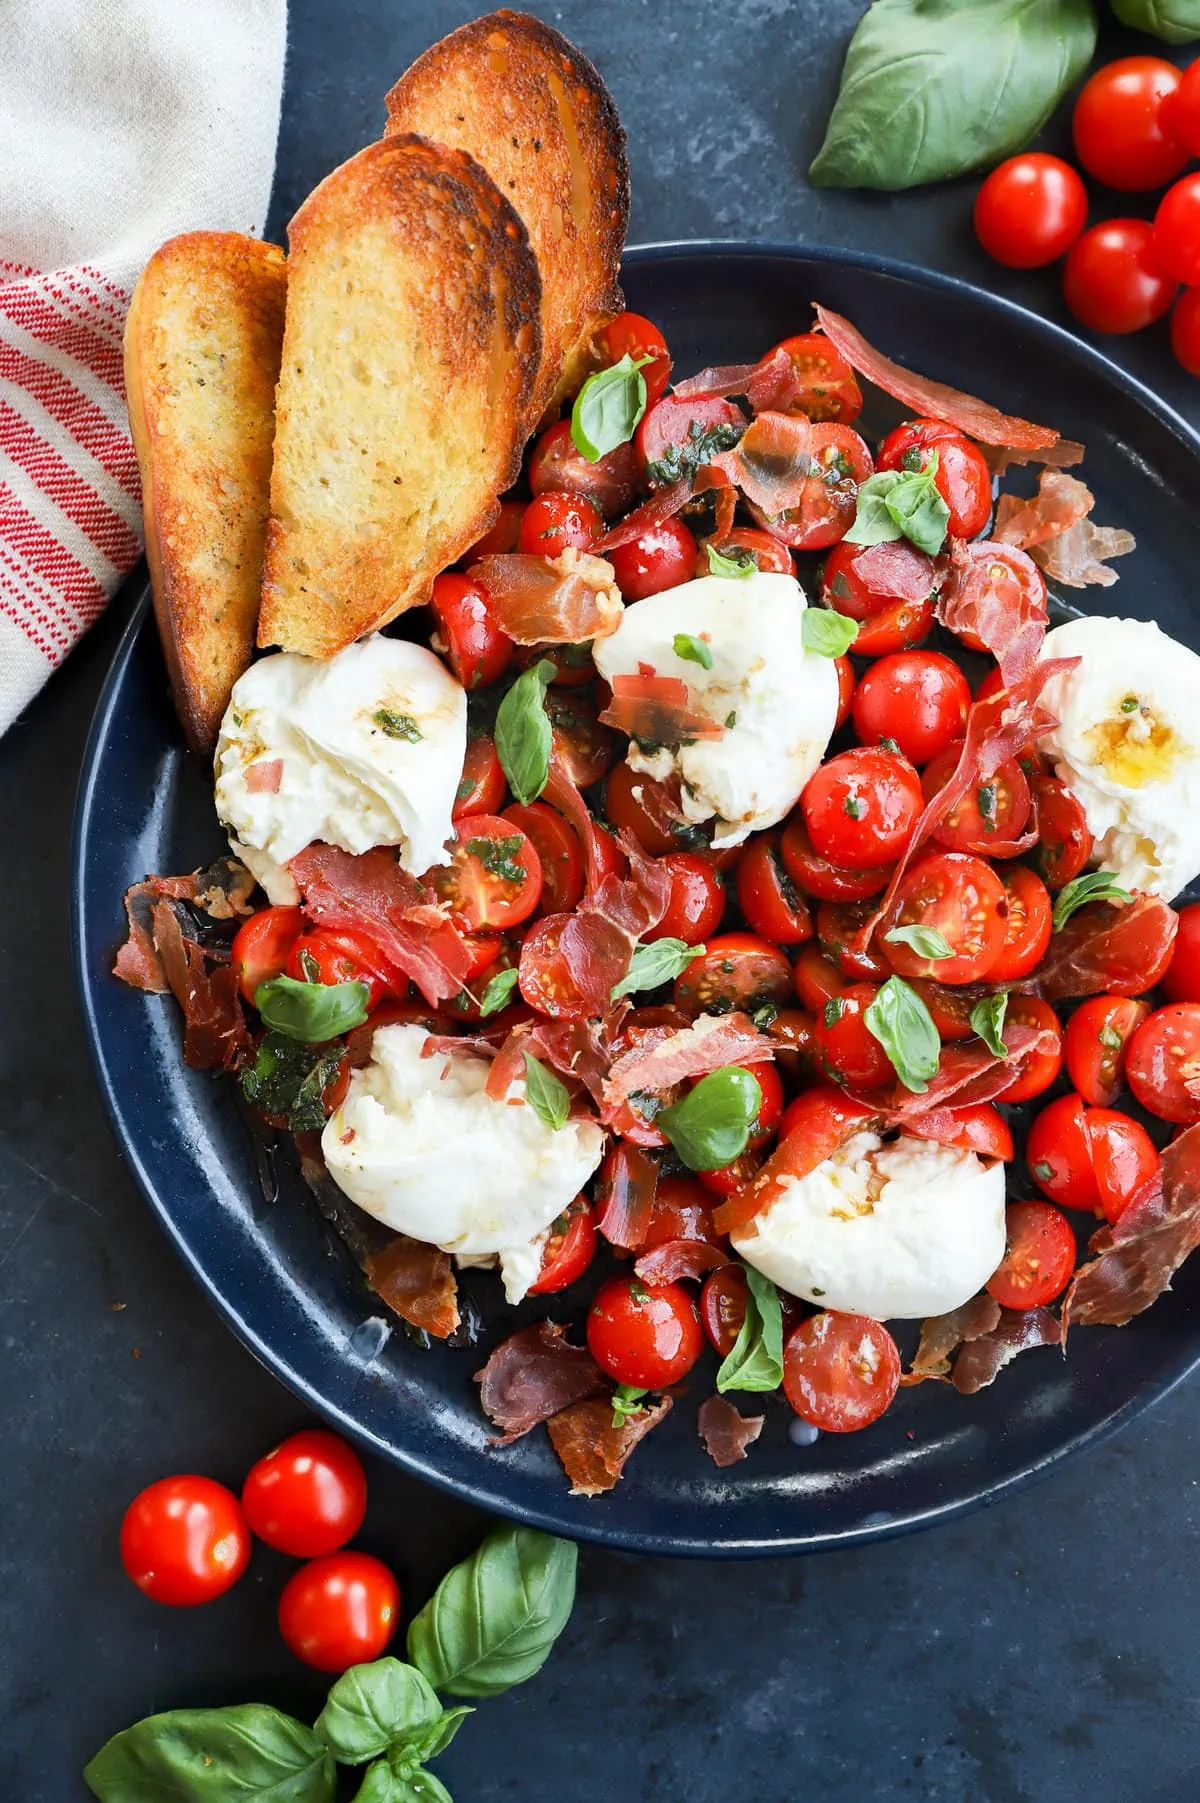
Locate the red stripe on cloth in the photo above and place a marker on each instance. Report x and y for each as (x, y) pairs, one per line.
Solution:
(44, 606)
(21, 270)
(100, 282)
(44, 553)
(41, 319)
(51, 641)
(84, 297)
(67, 488)
(88, 426)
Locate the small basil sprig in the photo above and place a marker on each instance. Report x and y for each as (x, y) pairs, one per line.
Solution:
(313, 1012)
(626, 1401)
(901, 504)
(659, 962)
(755, 1361)
(740, 565)
(373, 1708)
(903, 1025)
(692, 650)
(709, 1128)
(247, 1751)
(546, 1094)
(827, 633)
(609, 407)
(523, 733)
(1094, 885)
(492, 1621)
(987, 1019)
(927, 942)
(497, 992)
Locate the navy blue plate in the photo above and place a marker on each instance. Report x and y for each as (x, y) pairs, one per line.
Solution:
(286, 1284)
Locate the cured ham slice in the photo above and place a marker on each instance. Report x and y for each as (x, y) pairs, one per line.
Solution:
(591, 1450)
(771, 462)
(676, 1259)
(942, 1335)
(216, 1036)
(725, 1431)
(985, 1355)
(551, 600)
(534, 1374)
(1136, 1257)
(656, 710)
(709, 1044)
(771, 385)
(984, 596)
(389, 908)
(1055, 529)
(1106, 949)
(626, 1197)
(138, 962)
(417, 1283)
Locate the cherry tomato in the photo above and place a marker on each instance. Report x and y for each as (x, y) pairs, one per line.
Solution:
(816, 875)
(1065, 844)
(1122, 124)
(992, 684)
(262, 945)
(308, 1496)
(845, 676)
(682, 1210)
(840, 1372)
(1177, 231)
(1162, 1063)
(1181, 981)
(696, 902)
(483, 784)
(555, 520)
(850, 1052)
(1039, 1256)
(630, 335)
(673, 425)
(1180, 111)
(723, 1307)
(794, 1035)
(636, 1117)
(861, 806)
(494, 878)
(184, 1540)
(478, 652)
(817, 978)
(735, 970)
(829, 389)
(859, 582)
(838, 927)
(639, 805)
(586, 749)
(767, 896)
(916, 701)
(612, 482)
(1111, 279)
(660, 558)
(770, 1108)
(1124, 1158)
(338, 955)
(1096, 1041)
(573, 666)
(339, 1611)
(949, 1009)
(1028, 932)
(560, 854)
(1059, 1156)
(647, 1335)
(543, 977)
(1030, 210)
(963, 479)
(840, 463)
(987, 815)
(569, 1250)
(504, 536)
(961, 898)
(767, 552)
(978, 1128)
(1044, 1065)
(1185, 330)
(898, 627)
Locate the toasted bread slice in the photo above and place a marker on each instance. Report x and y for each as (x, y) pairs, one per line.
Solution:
(409, 356)
(202, 344)
(531, 108)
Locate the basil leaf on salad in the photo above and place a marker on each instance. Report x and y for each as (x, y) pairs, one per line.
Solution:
(738, 563)
(755, 1361)
(608, 408)
(313, 1012)
(659, 962)
(902, 1024)
(927, 942)
(246, 1751)
(497, 993)
(987, 1019)
(827, 633)
(1094, 885)
(901, 504)
(933, 88)
(1175, 21)
(289, 1078)
(692, 650)
(493, 1619)
(626, 1401)
(709, 1128)
(546, 1094)
(523, 733)
(372, 1707)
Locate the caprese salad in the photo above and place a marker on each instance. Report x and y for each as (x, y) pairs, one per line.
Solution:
(697, 884)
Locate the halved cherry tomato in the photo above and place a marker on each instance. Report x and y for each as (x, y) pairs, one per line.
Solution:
(339, 1611)
(793, 1032)
(490, 954)
(897, 626)
(1096, 1041)
(184, 1540)
(816, 978)
(573, 666)
(767, 896)
(500, 538)
(559, 854)
(483, 784)
(494, 878)
(478, 652)
(1059, 1156)
(647, 1335)
(850, 1052)
(723, 1307)
(846, 680)
(1124, 1158)
(612, 482)
(767, 552)
(682, 1210)
(735, 970)
(1162, 1064)
(1028, 932)
(262, 945)
(829, 389)
(1044, 1065)
(1017, 577)
(1030, 210)
(987, 815)
(543, 976)
(631, 335)
(858, 582)
(960, 897)
(840, 1372)
(860, 807)
(816, 875)
(696, 902)
(586, 749)
(840, 462)
(659, 558)
(338, 955)
(1122, 127)
(916, 701)
(949, 1009)
(556, 520)
(838, 926)
(962, 478)
(308, 1496)
(978, 1128)
(674, 432)
(733, 1176)
(1039, 1256)
(568, 1251)
(1181, 980)
(1065, 844)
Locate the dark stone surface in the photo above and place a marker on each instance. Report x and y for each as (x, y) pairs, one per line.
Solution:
(1045, 1649)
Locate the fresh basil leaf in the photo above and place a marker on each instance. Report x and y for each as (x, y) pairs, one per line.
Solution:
(1094, 885)
(902, 1024)
(659, 962)
(397, 726)
(755, 1361)
(901, 503)
(987, 1019)
(289, 1078)
(313, 1012)
(741, 564)
(492, 1620)
(523, 733)
(373, 1706)
(423, 1787)
(873, 523)
(608, 408)
(406, 1783)
(497, 992)
(626, 1401)
(711, 1125)
(927, 942)
(546, 1094)
(693, 651)
(827, 633)
(246, 1752)
(433, 1739)
(1175, 21)
(380, 1785)
(935, 88)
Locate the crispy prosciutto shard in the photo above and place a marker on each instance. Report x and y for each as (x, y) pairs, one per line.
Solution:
(1136, 1257)
(625, 1199)
(663, 504)
(771, 385)
(1106, 949)
(933, 400)
(591, 1450)
(942, 1335)
(1055, 529)
(551, 600)
(984, 595)
(967, 1074)
(656, 710)
(598, 939)
(264, 777)
(417, 1282)
(534, 1374)
(389, 908)
(708, 1044)
(771, 462)
(1077, 557)
(725, 1431)
(898, 570)
(985, 1355)
(138, 962)
(1060, 456)
(676, 1259)
(216, 1036)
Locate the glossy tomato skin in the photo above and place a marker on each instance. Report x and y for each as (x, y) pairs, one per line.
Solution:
(768, 554)
(988, 814)
(816, 875)
(612, 483)
(1124, 1158)
(767, 896)
(476, 649)
(1038, 1258)
(556, 521)
(960, 897)
(1177, 231)
(1060, 1158)
(646, 1335)
(849, 1051)
(981, 1129)
(817, 978)
(184, 1540)
(1122, 124)
(639, 805)
(949, 1009)
(860, 807)
(494, 878)
(839, 928)
(1180, 114)
(916, 699)
(632, 335)
(500, 538)
(898, 627)
(829, 389)
(262, 945)
(1030, 210)
(861, 586)
(696, 902)
(569, 1250)
(339, 1611)
(660, 558)
(585, 749)
(1044, 1067)
(840, 1372)
(735, 971)
(1181, 981)
(963, 479)
(1065, 843)
(666, 427)
(1185, 330)
(1028, 928)
(846, 684)
(840, 461)
(483, 785)
(572, 666)
(544, 978)
(1096, 1041)
(308, 1496)
(682, 1210)
(723, 1307)
(1163, 1058)
(328, 955)
(1112, 281)
(559, 854)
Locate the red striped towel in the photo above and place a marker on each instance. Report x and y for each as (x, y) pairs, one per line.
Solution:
(122, 122)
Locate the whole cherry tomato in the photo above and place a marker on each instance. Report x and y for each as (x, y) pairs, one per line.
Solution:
(262, 945)
(645, 1335)
(723, 1307)
(817, 876)
(1124, 1158)
(860, 807)
(631, 335)
(1185, 330)
(1030, 210)
(916, 701)
(659, 558)
(1123, 124)
(840, 1372)
(1177, 230)
(555, 521)
(1112, 281)
(477, 650)
(681, 1210)
(184, 1540)
(849, 1051)
(308, 1496)
(962, 479)
(1180, 112)
(1060, 1158)
(339, 1611)
(696, 902)
(500, 538)
(1181, 981)
(1039, 1256)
